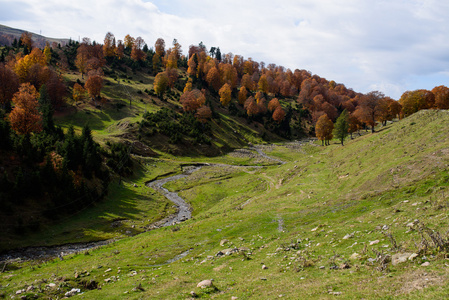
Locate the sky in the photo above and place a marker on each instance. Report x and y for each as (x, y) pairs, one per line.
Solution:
(389, 46)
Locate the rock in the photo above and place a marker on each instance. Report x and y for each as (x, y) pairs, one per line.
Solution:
(264, 267)
(355, 256)
(51, 285)
(234, 298)
(314, 229)
(244, 249)
(193, 294)
(219, 253)
(242, 239)
(344, 266)
(385, 227)
(30, 288)
(72, 292)
(399, 258)
(18, 292)
(108, 270)
(413, 256)
(426, 264)
(374, 242)
(223, 242)
(348, 236)
(322, 267)
(205, 284)
(229, 251)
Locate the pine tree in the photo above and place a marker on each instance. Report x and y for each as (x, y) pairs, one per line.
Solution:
(342, 126)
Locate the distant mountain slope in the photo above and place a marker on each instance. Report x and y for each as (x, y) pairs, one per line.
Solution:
(8, 34)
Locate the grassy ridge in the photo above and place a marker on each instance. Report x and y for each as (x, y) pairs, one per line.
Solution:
(303, 220)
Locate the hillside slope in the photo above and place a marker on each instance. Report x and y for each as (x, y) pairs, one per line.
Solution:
(330, 221)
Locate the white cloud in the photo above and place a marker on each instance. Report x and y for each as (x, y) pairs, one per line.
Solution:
(385, 45)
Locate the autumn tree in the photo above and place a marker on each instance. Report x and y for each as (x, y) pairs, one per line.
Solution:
(192, 100)
(413, 101)
(323, 129)
(109, 45)
(342, 126)
(242, 96)
(354, 124)
(157, 62)
(273, 104)
(137, 53)
(278, 114)
(225, 94)
(28, 63)
(159, 47)
(82, 57)
(188, 86)
(120, 49)
(192, 65)
(263, 84)
(78, 92)
(94, 84)
(228, 74)
(128, 42)
(441, 97)
(213, 79)
(25, 117)
(247, 82)
(203, 114)
(9, 84)
(251, 107)
(368, 110)
(161, 83)
(47, 54)
(26, 40)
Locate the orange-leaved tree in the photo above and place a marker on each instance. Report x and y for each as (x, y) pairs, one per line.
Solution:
(203, 114)
(161, 83)
(273, 104)
(192, 100)
(25, 117)
(278, 114)
(243, 95)
(213, 79)
(413, 101)
(225, 94)
(323, 129)
(94, 84)
(78, 92)
(441, 97)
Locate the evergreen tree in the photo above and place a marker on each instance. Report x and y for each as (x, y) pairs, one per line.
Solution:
(342, 126)
(46, 110)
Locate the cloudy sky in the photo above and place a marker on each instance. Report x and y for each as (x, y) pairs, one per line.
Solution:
(391, 46)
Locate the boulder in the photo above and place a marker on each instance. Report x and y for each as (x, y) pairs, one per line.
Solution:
(355, 256)
(413, 256)
(399, 258)
(205, 284)
(223, 242)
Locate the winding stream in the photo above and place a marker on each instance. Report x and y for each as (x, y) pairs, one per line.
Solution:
(184, 213)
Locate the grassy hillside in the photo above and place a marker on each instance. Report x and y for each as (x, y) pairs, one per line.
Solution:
(16, 33)
(326, 223)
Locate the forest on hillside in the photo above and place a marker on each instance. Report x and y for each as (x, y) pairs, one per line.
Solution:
(64, 170)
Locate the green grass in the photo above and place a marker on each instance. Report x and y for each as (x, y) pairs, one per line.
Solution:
(292, 217)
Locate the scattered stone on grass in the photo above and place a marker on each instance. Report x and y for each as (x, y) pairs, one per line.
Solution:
(399, 258)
